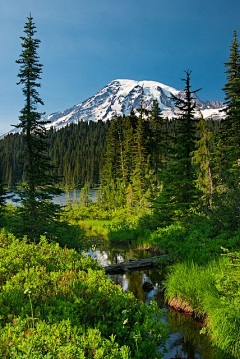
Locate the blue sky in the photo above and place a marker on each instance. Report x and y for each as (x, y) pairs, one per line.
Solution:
(85, 44)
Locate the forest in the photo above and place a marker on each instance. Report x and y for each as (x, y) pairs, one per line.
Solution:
(167, 184)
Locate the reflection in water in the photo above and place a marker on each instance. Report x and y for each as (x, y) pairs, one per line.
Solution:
(184, 341)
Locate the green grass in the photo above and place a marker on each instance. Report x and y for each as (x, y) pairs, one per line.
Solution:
(117, 225)
(128, 234)
(95, 226)
(213, 290)
(192, 283)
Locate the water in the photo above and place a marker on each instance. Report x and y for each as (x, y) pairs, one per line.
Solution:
(74, 196)
(184, 341)
(64, 198)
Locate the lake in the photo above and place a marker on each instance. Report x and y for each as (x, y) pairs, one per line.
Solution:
(71, 195)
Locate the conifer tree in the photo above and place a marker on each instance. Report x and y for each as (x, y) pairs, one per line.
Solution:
(179, 188)
(227, 146)
(39, 188)
(201, 158)
(140, 179)
(230, 132)
(129, 124)
(111, 169)
(233, 76)
(112, 174)
(158, 141)
(140, 152)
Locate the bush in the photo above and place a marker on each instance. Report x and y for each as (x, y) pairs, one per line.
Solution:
(196, 242)
(61, 340)
(46, 289)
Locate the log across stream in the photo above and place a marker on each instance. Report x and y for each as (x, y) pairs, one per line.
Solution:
(135, 265)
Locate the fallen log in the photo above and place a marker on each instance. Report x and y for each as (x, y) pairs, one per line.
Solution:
(138, 265)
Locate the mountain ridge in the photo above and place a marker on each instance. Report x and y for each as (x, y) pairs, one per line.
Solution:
(120, 96)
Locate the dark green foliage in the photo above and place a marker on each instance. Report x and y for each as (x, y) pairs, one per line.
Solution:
(230, 131)
(226, 151)
(179, 192)
(146, 159)
(141, 150)
(201, 157)
(11, 159)
(233, 76)
(129, 162)
(59, 230)
(76, 152)
(158, 143)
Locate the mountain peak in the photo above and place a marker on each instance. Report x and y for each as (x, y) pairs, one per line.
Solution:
(120, 96)
(145, 84)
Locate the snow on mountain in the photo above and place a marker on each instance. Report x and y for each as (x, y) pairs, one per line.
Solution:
(119, 97)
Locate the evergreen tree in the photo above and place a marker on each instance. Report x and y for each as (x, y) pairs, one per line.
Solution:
(227, 146)
(230, 132)
(233, 76)
(39, 187)
(84, 198)
(112, 175)
(179, 192)
(129, 129)
(140, 176)
(201, 158)
(158, 141)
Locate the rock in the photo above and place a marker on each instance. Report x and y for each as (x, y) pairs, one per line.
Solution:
(147, 285)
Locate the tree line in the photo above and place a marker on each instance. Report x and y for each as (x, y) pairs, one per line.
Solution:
(75, 151)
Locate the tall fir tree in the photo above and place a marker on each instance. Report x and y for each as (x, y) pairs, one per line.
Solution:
(179, 192)
(230, 132)
(201, 157)
(141, 182)
(227, 146)
(158, 142)
(39, 187)
(113, 174)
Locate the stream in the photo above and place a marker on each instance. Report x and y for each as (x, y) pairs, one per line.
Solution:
(184, 341)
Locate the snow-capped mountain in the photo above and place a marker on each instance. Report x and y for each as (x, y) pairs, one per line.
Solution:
(119, 97)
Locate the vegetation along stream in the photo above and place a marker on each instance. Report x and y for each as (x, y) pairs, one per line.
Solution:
(184, 341)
